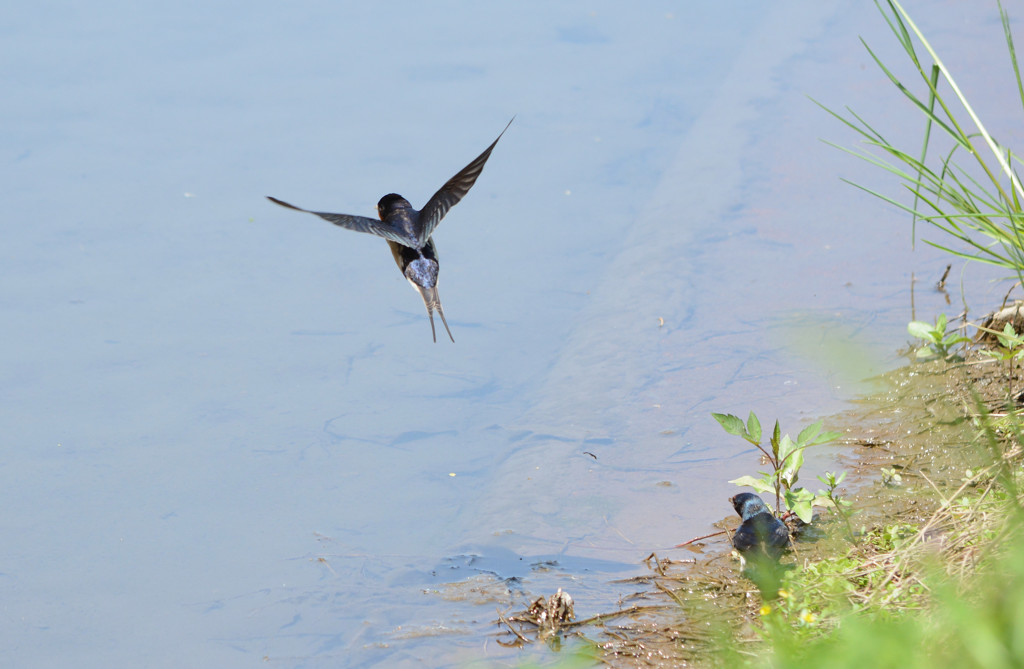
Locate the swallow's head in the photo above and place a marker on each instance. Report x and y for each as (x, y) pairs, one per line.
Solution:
(391, 202)
(748, 505)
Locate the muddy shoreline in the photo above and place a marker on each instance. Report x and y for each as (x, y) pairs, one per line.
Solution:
(918, 427)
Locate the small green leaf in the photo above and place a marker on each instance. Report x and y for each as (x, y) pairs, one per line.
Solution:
(1009, 338)
(821, 499)
(920, 330)
(800, 501)
(791, 468)
(804, 511)
(731, 424)
(786, 447)
(760, 485)
(953, 340)
(824, 438)
(832, 480)
(753, 428)
(808, 434)
(802, 495)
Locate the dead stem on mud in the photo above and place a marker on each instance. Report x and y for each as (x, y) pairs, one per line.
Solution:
(545, 619)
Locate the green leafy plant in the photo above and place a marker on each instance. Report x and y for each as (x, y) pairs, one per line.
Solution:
(1011, 344)
(1010, 348)
(786, 457)
(938, 343)
(842, 506)
(891, 477)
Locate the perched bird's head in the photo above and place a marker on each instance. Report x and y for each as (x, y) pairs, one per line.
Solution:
(391, 202)
(748, 505)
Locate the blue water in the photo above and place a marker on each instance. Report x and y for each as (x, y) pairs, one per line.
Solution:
(228, 436)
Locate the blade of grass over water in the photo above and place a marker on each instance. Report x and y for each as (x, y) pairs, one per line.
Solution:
(963, 99)
(1005, 18)
(969, 203)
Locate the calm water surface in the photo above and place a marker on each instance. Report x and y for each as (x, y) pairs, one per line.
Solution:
(228, 437)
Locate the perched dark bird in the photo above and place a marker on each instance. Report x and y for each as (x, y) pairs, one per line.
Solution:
(760, 532)
(408, 231)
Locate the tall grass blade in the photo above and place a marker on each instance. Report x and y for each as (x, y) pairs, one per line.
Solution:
(967, 105)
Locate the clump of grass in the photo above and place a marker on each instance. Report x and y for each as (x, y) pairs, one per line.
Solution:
(970, 192)
(938, 581)
(948, 592)
(1009, 348)
(938, 342)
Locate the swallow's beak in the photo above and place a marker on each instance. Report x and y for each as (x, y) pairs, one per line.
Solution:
(432, 301)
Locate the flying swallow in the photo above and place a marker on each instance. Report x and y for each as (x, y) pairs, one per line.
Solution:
(760, 531)
(408, 231)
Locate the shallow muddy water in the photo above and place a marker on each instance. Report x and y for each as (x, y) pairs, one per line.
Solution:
(228, 435)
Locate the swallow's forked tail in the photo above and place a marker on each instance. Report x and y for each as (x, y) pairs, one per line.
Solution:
(432, 301)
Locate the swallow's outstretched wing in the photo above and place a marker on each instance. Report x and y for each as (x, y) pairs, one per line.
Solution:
(453, 191)
(357, 223)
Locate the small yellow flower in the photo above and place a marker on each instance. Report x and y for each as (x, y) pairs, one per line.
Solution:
(807, 617)
(766, 609)
(784, 594)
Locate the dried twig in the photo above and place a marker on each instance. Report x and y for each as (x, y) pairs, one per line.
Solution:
(706, 536)
(522, 639)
